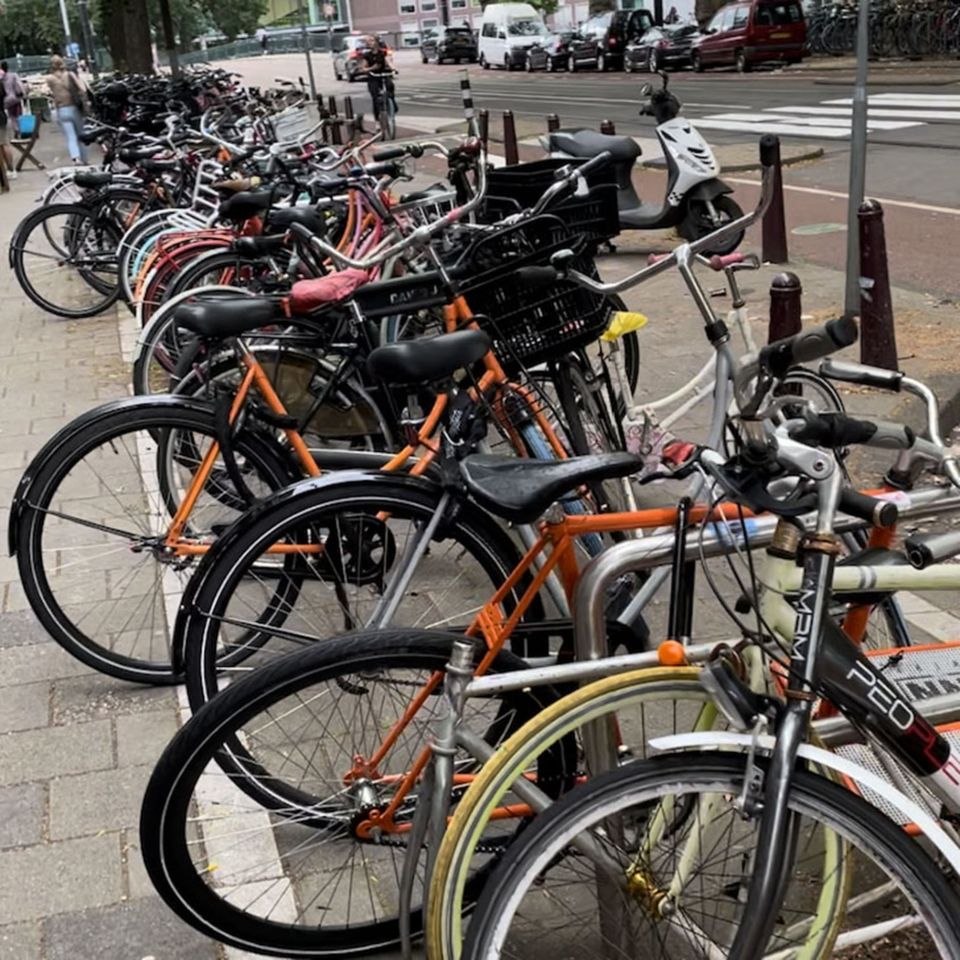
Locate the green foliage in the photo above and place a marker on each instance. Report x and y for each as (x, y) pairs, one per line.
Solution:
(545, 7)
(234, 16)
(34, 26)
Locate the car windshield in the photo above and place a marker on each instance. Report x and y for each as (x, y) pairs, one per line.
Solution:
(526, 28)
(778, 14)
(654, 33)
(458, 32)
(685, 30)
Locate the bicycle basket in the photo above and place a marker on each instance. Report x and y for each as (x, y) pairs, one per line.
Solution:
(530, 324)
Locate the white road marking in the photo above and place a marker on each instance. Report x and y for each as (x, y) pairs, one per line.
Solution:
(763, 119)
(873, 111)
(905, 100)
(926, 207)
(785, 128)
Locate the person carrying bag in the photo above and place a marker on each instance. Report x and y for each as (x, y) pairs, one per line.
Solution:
(69, 101)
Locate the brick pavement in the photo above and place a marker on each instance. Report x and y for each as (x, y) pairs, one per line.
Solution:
(76, 747)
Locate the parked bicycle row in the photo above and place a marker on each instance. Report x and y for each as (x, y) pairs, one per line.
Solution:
(375, 501)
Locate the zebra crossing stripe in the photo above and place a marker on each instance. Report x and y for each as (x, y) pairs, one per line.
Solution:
(759, 125)
(821, 121)
(942, 101)
(879, 110)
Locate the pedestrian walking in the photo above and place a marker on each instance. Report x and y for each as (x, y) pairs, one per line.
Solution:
(5, 147)
(261, 36)
(13, 94)
(69, 101)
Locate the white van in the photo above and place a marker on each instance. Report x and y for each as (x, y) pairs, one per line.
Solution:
(506, 31)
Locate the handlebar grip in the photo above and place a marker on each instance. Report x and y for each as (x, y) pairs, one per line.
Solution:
(838, 430)
(769, 149)
(390, 153)
(721, 263)
(924, 549)
(537, 276)
(862, 374)
(594, 163)
(881, 513)
(388, 169)
(777, 358)
(891, 436)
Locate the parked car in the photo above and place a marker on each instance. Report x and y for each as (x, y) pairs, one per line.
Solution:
(348, 60)
(562, 51)
(507, 31)
(612, 31)
(747, 33)
(661, 47)
(448, 43)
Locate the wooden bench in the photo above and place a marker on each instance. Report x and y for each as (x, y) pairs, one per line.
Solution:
(24, 144)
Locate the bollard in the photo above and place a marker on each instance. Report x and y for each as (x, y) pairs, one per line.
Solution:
(511, 155)
(484, 128)
(607, 127)
(335, 137)
(350, 123)
(553, 123)
(775, 220)
(785, 296)
(878, 341)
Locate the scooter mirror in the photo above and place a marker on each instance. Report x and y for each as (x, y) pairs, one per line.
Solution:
(645, 90)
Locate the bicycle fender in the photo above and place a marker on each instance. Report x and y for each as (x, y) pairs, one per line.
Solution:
(52, 447)
(824, 758)
(709, 190)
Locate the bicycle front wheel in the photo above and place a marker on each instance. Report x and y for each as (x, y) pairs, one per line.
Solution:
(654, 859)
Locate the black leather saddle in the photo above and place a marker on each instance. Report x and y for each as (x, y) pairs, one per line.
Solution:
(520, 490)
(91, 179)
(428, 359)
(223, 317)
(244, 205)
(282, 218)
(589, 143)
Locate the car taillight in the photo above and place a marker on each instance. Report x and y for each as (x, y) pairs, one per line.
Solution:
(354, 54)
(612, 41)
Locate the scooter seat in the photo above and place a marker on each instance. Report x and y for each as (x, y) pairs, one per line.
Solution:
(589, 143)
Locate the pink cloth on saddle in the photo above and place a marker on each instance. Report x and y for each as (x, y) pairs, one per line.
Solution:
(308, 295)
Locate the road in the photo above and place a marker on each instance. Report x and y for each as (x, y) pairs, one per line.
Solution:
(914, 138)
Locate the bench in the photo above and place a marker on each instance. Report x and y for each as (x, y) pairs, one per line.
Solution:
(25, 142)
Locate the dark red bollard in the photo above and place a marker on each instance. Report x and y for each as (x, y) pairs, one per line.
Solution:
(878, 341)
(607, 127)
(785, 306)
(511, 153)
(775, 219)
(334, 121)
(350, 123)
(553, 122)
(484, 128)
(786, 295)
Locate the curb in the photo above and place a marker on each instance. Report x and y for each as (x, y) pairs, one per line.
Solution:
(812, 153)
(905, 82)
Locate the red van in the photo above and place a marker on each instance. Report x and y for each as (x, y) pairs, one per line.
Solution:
(754, 31)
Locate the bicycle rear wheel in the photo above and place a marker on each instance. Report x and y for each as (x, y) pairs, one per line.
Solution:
(674, 858)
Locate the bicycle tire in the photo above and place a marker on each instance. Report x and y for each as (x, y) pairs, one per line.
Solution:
(447, 901)
(169, 818)
(59, 597)
(326, 504)
(841, 812)
(82, 225)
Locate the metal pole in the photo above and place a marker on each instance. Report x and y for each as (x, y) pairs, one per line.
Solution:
(305, 40)
(87, 34)
(858, 162)
(66, 27)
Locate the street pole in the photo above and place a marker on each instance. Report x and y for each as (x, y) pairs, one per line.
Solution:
(858, 162)
(306, 50)
(87, 35)
(66, 27)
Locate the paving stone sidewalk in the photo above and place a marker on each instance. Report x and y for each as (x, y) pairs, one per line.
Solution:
(77, 747)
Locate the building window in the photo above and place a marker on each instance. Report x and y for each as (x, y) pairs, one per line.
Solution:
(458, 4)
(428, 6)
(408, 8)
(411, 38)
(429, 23)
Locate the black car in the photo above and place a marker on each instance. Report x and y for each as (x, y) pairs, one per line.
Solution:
(661, 47)
(562, 51)
(612, 31)
(448, 43)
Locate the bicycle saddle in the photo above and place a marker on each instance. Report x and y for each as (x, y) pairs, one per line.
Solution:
(226, 316)
(520, 490)
(281, 218)
(244, 205)
(428, 359)
(91, 179)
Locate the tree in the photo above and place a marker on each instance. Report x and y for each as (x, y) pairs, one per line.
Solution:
(125, 24)
(34, 26)
(234, 16)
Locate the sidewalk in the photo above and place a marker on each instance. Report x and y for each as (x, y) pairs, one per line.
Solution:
(77, 747)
